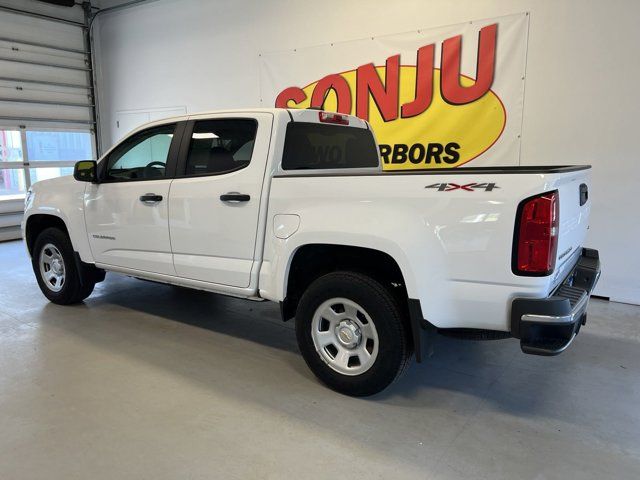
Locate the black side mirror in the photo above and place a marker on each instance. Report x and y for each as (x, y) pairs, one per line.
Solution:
(86, 171)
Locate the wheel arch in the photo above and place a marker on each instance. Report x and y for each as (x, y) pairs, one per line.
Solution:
(313, 260)
(37, 223)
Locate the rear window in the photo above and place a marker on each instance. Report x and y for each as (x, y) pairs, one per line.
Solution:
(316, 146)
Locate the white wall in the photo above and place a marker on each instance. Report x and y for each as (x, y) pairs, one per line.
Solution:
(581, 104)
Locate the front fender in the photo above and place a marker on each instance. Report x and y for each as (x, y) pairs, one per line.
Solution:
(63, 198)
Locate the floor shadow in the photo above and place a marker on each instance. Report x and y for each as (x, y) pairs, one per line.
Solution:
(492, 372)
(257, 322)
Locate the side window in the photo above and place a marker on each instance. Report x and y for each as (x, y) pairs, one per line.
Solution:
(220, 146)
(142, 156)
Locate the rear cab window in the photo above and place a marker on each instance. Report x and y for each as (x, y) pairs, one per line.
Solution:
(316, 146)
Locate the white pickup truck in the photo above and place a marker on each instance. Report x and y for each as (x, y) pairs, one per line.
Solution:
(292, 206)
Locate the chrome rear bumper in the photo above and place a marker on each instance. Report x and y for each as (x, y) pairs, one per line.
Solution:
(547, 326)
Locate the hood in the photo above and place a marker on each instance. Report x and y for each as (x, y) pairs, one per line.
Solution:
(58, 183)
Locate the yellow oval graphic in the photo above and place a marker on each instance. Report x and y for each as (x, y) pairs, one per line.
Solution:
(443, 136)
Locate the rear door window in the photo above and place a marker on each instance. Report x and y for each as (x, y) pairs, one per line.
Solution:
(311, 146)
(220, 146)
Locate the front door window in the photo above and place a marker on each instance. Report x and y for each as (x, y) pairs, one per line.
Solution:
(141, 157)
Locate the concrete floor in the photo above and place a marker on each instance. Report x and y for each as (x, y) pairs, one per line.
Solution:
(149, 381)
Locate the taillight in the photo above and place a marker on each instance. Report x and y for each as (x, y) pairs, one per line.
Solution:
(536, 241)
(328, 117)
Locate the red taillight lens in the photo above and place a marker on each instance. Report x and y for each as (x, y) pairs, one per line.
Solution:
(328, 117)
(537, 241)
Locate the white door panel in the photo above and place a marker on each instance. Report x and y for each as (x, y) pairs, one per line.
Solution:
(214, 240)
(225, 271)
(127, 232)
(127, 215)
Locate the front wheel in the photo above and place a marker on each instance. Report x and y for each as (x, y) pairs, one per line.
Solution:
(56, 270)
(351, 333)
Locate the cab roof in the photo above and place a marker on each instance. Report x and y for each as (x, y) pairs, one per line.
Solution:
(308, 115)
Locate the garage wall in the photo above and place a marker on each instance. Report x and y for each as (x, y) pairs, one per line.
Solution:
(46, 102)
(581, 104)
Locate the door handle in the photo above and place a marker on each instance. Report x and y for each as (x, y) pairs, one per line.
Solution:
(235, 197)
(150, 198)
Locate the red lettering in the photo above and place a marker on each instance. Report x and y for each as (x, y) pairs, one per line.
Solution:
(424, 83)
(452, 91)
(339, 85)
(386, 96)
(292, 93)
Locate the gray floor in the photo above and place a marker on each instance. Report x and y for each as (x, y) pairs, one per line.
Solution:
(148, 381)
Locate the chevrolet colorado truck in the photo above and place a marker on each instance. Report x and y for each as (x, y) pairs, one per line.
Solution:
(292, 206)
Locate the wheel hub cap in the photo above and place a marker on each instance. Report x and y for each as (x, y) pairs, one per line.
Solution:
(56, 267)
(345, 336)
(52, 269)
(348, 334)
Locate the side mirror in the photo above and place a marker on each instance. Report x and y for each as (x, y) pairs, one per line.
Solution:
(86, 171)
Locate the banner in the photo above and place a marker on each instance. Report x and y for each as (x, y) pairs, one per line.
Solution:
(435, 98)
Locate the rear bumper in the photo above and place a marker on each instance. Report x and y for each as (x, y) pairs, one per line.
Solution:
(547, 326)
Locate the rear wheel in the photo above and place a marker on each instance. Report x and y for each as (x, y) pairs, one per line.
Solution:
(56, 270)
(351, 333)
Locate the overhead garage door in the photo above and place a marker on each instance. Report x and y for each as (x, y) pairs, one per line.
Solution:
(47, 119)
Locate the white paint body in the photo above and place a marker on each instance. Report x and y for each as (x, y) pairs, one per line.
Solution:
(454, 248)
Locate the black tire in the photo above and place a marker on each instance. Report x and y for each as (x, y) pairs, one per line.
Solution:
(394, 350)
(77, 285)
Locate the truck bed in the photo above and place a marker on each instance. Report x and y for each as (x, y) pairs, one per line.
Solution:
(451, 230)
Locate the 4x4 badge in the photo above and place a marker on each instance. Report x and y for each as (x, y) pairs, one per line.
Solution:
(469, 187)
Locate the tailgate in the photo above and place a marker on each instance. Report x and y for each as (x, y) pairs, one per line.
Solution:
(575, 206)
